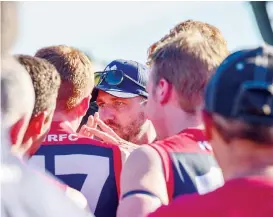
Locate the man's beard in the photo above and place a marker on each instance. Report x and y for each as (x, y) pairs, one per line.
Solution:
(130, 131)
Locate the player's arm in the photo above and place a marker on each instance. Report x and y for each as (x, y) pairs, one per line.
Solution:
(143, 186)
(126, 149)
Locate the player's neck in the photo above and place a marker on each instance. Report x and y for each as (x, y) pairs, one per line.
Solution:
(146, 135)
(259, 170)
(69, 120)
(249, 161)
(176, 121)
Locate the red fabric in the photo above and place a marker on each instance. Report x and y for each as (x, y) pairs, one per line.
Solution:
(167, 167)
(184, 142)
(117, 167)
(66, 136)
(245, 197)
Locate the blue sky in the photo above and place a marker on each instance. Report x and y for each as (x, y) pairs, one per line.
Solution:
(112, 30)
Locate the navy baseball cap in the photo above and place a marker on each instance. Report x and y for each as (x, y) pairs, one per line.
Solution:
(127, 88)
(242, 87)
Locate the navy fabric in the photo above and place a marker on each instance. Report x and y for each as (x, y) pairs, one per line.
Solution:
(242, 86)
(127, 88)
(187, 167)
(108, 197)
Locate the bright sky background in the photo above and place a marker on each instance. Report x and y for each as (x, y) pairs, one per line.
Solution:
(112, 30)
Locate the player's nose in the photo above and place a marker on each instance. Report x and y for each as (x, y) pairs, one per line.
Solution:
(107, 114)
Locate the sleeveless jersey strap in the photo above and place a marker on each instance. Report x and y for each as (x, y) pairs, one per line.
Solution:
(117, 167)
(167, 167)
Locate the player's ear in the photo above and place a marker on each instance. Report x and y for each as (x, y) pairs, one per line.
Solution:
(163, 91)
(84, 105)
(36, 123)
(207, 119)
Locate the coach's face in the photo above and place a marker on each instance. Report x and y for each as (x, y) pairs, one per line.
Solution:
(124, 115)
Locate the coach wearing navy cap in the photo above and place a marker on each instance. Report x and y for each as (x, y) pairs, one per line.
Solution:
(121, 99)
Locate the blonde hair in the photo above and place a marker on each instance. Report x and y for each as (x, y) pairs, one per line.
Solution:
(187, 61)
(76, 72)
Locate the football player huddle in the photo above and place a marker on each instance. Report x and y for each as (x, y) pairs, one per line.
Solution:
(189, 133)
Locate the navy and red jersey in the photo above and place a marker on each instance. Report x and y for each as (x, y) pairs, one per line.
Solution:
(26, 192)
(188, 163)
(84, 164)
(244, 197)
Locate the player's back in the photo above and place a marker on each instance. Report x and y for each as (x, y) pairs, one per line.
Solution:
(26, 193)
(83, 164)
(188, 163)
(244, 197)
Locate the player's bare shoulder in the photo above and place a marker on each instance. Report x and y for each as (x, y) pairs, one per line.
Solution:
(143, 160)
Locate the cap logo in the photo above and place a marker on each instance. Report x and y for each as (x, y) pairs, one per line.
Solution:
(266, 109)
(240, 66)
(114, 67)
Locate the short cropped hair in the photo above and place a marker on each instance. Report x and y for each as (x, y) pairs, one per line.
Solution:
(17, 94)
(187, 61)
(46, 82)
(231, 129)
(208, 29)
(76, 72)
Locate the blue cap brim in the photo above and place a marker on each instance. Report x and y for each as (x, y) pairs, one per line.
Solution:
(117, 92)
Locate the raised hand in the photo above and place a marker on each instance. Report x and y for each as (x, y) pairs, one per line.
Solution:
(104, 133)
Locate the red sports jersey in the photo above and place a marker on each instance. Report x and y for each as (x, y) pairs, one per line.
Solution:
(188, 163)
(84, 164)
(245, 197)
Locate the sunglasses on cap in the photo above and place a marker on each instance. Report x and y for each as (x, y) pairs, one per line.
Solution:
(113, 78)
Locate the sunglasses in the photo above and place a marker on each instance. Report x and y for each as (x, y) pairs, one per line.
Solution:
(113, 78)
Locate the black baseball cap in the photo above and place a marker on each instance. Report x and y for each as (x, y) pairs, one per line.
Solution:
(127, 88)
(242, 87)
